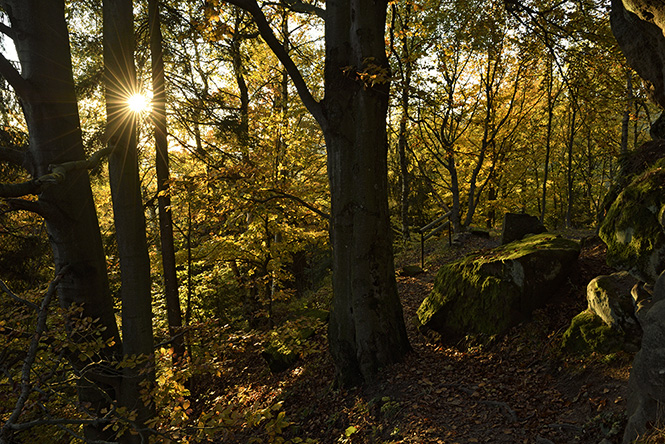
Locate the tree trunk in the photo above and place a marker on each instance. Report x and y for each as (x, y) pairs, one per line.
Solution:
(402, 142)
(548, 138)
(173, 312)
(571, 143)
(120, 79)
(51, 113)
(626, 113)
(366, 329)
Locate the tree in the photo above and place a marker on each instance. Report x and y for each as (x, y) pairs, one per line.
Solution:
(56, 162)
(163, 179)
(120, 82)
(366, 329)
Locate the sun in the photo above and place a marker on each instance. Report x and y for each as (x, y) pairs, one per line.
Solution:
(138, 103)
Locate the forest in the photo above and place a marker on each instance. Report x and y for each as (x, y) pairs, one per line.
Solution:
(213, 218)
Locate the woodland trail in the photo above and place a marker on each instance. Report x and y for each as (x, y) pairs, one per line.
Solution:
(521, 389)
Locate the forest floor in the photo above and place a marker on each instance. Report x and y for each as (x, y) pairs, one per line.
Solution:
(520, 389)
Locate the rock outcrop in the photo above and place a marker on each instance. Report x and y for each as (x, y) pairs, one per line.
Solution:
(634, 226)
(638, 27)
(646, 387)
(490, 291)
(609, 297)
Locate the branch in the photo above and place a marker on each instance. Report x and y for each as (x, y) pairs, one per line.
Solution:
(8, 31)
(13, 295)
(25, 205)
(57, 175)
(305, 8)
(13, 77)
(282, 54)
(284, 195)
(27, 188)
(26, 385)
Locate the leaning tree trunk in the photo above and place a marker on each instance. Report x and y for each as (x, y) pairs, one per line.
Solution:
(46, 89)
(366, 328)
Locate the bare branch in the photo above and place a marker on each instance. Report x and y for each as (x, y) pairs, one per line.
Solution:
(13, 295)
(30, 187)
(282, 54)
(305, 8)
(283, 195)
(25, 205)
(8, 31)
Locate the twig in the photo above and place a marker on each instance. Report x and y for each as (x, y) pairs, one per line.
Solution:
(12, 295)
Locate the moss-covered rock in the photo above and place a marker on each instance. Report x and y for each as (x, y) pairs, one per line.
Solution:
(488, 292)
(633, 226)
(588, 333)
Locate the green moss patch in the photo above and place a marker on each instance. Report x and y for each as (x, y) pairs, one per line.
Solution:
(490, 291)
(588, 333)
(632, 230)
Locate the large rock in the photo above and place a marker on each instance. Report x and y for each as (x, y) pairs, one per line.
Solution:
(516, 226)
(634, 228)
(490, 291)
(646, 386)
(608, 324)
(638, 27)
(610, 298)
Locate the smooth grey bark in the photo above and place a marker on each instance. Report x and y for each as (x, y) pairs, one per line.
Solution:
(45, 87)
(173, 311)
(366, 329)
(120, 81)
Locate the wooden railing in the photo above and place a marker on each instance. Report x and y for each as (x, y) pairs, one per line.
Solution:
(434, 227)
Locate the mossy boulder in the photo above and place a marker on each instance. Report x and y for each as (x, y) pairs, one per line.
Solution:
(589, 333)
(634, 226)
(488, 292)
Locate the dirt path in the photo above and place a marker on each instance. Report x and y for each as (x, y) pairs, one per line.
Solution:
(521, 389)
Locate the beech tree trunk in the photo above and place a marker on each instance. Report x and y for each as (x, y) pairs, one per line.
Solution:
(45, 87)
(366, 329)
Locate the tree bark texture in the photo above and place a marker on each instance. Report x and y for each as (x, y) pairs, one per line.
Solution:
(50, 109)
(366, 329)
(120, 80)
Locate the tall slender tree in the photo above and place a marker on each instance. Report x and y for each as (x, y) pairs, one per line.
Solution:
(120, 81)
(158, 113)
